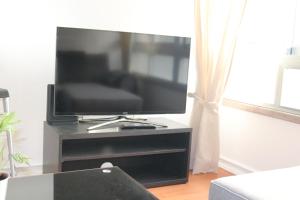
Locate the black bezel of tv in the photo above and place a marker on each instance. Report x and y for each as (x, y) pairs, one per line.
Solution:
(184, 87)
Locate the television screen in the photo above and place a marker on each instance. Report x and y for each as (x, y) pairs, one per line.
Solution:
(115, 73)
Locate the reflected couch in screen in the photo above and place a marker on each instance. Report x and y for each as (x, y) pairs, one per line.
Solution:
(95, 98)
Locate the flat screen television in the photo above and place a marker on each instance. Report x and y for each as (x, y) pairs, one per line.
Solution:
(101, 72)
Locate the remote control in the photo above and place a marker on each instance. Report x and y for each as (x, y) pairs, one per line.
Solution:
(137, 126)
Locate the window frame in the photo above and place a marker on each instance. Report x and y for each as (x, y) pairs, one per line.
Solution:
(262, 110)
(273, 110)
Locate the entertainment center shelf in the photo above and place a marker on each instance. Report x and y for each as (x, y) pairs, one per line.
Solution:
(154, 157)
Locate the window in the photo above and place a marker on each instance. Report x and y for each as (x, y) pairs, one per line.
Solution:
(266, 64)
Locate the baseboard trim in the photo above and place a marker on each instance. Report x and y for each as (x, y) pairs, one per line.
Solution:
(30, 170)
(234, 167)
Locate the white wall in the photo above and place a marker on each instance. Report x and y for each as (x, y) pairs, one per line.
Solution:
(27, 47)
(252, 142)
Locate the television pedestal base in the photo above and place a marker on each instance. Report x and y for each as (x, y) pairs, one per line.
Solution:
(127, 119)
(154, 157)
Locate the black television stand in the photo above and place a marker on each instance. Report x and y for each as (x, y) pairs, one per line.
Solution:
(121, 118)
(154, 157)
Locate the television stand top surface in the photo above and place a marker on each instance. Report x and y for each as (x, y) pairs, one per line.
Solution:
(73, 131)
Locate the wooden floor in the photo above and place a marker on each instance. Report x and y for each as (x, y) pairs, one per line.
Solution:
(196, 189)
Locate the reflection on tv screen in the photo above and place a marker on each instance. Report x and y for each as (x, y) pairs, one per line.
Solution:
(108, 72)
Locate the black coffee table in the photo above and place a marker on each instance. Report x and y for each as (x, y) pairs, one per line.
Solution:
(91, 184)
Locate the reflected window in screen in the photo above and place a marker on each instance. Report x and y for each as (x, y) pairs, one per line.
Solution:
(162, 67)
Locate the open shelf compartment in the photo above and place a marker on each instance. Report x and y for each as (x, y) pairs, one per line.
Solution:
(150, 170)
(73, 150)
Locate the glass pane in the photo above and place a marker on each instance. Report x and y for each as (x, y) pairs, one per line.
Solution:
(290, 95)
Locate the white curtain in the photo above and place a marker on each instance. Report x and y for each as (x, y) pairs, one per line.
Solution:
(216, 27)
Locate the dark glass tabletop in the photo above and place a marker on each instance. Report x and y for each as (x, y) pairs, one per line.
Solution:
(91, 184)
